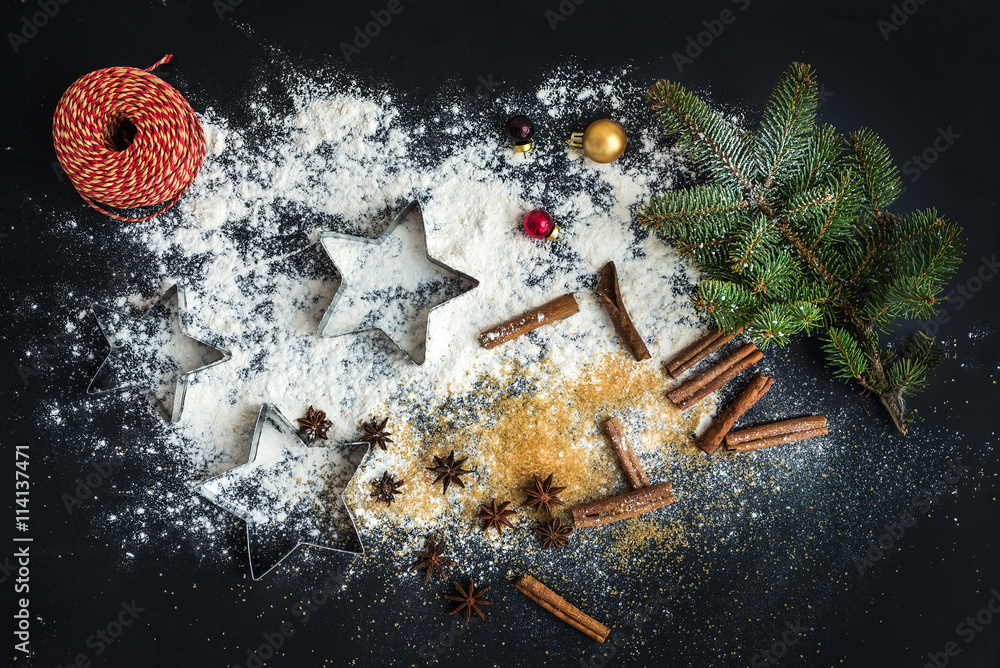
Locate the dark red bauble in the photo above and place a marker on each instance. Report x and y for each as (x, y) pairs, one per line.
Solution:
(539, 225)
(519, 128)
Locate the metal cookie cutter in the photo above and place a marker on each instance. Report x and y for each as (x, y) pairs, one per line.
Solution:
(400, 291)
(290, 494)
(138, 359)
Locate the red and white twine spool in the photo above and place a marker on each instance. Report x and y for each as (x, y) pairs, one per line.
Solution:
(127, 139)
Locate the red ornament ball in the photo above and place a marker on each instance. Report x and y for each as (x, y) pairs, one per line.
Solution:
(538, 224)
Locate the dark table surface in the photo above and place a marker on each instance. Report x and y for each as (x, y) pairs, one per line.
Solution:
(910, 70)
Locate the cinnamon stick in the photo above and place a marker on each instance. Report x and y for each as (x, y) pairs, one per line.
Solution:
(791, 437)
(610, 294)
(751, 394)
(557, 309)
(690, 352)
(695, 352)
(623, 506)
(629, 461)
(807, 423)
(733, 371)
(561, 608)
(692, 385)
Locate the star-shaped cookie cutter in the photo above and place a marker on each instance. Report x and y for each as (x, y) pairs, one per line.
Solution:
(368, 322)
(182, 377)
(240, 490)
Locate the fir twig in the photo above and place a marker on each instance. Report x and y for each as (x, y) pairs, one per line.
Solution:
(793, 231)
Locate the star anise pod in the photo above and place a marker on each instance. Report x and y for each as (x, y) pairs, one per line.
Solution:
(386, 488)
(495, 515)
(430, 558)
(470, 600)
(542, 495)
(375, 433)
(554, 533)
(314, 425)
(448, 470)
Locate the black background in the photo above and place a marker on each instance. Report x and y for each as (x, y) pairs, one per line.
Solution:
(938, 70)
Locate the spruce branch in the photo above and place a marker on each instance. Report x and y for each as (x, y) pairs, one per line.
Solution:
(793, 232)
(823, 147)
(693, 205)
(879, 176)
(789, 116)
(711, 142)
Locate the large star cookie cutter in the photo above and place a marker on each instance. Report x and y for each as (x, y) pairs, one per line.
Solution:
(153, 351)
(289, 494)
(402, 286)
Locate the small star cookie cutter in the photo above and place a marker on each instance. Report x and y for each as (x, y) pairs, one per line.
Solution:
(399, 323)
(278, 451)
(129, 375)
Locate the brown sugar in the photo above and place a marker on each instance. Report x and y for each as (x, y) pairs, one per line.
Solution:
(513, 426)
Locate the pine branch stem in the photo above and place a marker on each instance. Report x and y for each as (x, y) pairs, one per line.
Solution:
(919, 233)
(697, 130)
(657, 219)
(829, 217)
(825, 197)
(806, 254)
(889, 397)
(870, 322)
(688, 249)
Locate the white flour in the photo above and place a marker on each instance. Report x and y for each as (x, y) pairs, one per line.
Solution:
(347, 164)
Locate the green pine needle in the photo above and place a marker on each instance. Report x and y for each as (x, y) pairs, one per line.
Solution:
(792, 228)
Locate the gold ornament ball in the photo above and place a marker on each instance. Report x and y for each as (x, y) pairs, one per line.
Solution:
(604, 141)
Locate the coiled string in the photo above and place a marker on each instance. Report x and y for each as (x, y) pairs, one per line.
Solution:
(127, 139)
